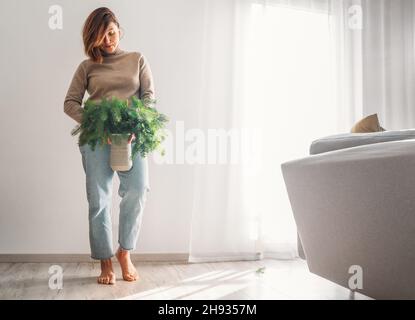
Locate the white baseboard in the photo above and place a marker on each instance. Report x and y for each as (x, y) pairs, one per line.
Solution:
(78, 258)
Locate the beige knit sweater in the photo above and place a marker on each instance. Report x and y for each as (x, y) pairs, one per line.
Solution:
(122, 74)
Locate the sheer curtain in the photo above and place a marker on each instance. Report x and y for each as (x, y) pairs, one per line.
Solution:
(376, 38)
(278, 74)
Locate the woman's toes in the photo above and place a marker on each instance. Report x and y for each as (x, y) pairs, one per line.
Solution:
(129, 277)
(109, 279)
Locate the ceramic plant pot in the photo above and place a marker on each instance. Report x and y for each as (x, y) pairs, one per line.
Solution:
(120, 159)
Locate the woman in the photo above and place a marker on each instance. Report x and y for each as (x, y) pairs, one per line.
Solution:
(110, 71)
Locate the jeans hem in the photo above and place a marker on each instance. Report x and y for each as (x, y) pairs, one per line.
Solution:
(125, 248)
(105, 258)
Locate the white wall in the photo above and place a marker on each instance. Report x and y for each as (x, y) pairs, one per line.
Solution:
(43, 198)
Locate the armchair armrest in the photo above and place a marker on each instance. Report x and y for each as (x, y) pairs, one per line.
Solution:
(350, 140)
(356, 206)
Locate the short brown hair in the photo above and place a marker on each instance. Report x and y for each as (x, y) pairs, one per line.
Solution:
(94, 29)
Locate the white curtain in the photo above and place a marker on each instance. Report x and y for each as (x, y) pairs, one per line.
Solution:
(376, 56)
(278, 74)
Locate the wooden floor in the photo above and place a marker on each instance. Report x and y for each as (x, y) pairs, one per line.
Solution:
(227, 280)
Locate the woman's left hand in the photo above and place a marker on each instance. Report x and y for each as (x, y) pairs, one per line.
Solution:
(131, 138)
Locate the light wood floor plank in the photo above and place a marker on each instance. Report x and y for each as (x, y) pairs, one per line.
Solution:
(280, 280)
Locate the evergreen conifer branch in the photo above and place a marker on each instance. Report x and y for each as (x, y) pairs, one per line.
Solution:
(101, 119)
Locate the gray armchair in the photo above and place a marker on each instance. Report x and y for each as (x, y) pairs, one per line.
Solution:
(353, 201)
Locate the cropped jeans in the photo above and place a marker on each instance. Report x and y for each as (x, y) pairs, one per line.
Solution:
(134, 185)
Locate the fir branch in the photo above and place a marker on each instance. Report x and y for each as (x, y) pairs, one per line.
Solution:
(101, 119)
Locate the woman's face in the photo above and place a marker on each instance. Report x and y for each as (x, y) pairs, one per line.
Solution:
(111, 38)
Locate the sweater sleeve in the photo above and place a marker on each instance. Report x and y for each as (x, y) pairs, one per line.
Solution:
(73, 100)
(146, 79)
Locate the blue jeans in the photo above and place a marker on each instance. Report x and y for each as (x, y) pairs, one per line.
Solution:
(134, 185)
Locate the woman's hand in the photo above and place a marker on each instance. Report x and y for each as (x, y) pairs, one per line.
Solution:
(131, 138)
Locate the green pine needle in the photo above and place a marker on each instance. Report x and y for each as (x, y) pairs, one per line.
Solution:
(260, 270)
(102, 118)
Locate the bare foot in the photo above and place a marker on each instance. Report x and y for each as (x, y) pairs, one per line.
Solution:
(129, 273)
(107, 274)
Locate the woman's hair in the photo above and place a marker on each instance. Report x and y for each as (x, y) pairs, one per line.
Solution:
(94, 29)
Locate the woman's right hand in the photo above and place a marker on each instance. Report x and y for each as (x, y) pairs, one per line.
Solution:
(108, 140)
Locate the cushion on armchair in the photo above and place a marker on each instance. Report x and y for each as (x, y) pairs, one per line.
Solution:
(368, 124)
